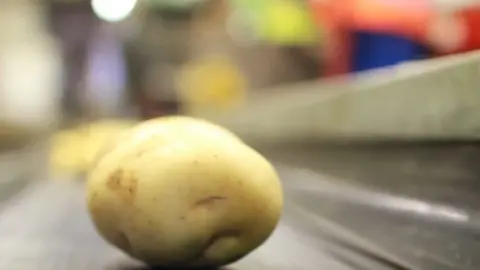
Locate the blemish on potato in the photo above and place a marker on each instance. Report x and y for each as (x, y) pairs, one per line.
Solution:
(208, 201)
(114, 181)
(122, 185)
(131, 184)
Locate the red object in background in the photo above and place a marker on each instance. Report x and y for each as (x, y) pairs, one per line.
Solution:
(340, 17)
(331, 17)
(408, 18)
(470, 18)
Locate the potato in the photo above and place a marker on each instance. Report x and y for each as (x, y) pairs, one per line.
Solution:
(101, 133)
(176, 125)
(191, 126)
(66, 153)
(74, 150)
(180, 192)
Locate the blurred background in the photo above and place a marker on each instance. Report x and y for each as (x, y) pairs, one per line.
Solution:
(69, 64)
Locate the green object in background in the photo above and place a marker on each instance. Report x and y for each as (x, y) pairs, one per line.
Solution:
(288, 23)
(251, 10)
(250, 5)
(176, 4)
(284, 22)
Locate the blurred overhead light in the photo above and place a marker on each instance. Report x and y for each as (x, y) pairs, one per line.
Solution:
(113, 10)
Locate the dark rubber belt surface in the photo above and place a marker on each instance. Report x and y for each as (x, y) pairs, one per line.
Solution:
(345, 209)
(46, 227)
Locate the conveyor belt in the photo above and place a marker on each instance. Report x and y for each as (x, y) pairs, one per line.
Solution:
(347, 209)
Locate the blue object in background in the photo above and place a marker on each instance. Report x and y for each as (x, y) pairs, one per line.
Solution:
(375, 50)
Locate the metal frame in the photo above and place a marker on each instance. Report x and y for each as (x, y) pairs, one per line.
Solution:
(433, 99)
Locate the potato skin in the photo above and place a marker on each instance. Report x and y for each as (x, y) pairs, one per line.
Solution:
(172, 197)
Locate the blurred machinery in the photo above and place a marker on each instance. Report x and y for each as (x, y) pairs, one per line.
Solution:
(426, 100)
(182, 57)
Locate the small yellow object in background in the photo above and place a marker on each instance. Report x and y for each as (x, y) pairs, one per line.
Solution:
(73, 151)
(288, 22)
(212, 83)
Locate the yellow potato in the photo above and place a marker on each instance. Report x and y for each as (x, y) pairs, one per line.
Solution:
(188, 126)
(99, 134)
(173, 125)
(171, 197)
(66, 154)
(75, 150)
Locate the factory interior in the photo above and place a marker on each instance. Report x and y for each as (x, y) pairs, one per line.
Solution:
(307, 134)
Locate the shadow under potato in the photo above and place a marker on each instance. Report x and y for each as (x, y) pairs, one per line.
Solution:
(129, 265)
(162, 268)
(140, 267)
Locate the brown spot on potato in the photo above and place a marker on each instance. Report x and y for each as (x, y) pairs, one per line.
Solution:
(114, 181)
(123, 185)
(208, 201)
